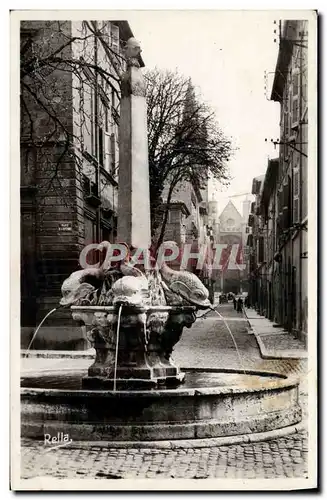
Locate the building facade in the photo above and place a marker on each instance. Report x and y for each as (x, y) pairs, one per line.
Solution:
(69, 153)
(279, 218)
(290, 90)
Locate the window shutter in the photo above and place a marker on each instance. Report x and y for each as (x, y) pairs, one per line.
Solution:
(107, 153)
(287, 129)
(296, 195)
(101, 146)
(286, 115)
(113, 152)
(280, 212)
(261, 249)
(295, 111)
(116, 165)
(114, 38)
(286, 205)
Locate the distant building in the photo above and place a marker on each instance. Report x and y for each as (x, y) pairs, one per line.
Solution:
(231, 231)
(184, 218)
(69, 155)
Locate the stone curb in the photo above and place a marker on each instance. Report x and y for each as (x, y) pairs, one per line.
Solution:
(273, 354)
(193, 443)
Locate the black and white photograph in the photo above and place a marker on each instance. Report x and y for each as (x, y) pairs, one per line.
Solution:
(164, 229)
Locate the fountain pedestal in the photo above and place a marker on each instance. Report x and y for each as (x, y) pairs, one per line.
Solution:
(142, 338)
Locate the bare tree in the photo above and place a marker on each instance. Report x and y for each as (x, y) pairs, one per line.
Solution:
(185, 141)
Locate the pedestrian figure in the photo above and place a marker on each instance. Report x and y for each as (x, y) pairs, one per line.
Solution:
(239, 305)
(234, 302)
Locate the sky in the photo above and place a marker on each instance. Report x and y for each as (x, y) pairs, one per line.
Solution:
(226, 54)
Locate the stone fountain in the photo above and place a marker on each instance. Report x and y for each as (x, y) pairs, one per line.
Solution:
(133, 391)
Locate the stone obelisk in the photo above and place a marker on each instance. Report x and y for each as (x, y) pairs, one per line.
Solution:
(133, 192)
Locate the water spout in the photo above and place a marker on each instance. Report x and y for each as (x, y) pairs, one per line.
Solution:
(117, 344)
(36, 331)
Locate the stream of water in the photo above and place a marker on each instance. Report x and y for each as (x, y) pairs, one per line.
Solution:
(117, 344)
(37, 329)
(232, 336)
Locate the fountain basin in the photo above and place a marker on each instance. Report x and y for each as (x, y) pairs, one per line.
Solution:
(211, 403)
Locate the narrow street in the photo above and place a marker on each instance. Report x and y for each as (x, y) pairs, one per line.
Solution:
(207, 344)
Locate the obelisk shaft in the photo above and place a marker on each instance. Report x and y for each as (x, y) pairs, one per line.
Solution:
(133, 191)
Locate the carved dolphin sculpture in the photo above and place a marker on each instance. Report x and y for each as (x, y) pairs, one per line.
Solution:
(80, 284)
(187, 285)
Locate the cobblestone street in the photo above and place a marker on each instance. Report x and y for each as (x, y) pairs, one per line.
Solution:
(284, 457)
(207, 344)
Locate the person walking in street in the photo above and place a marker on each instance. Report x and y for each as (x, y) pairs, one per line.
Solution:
(239, 305)
(234, 302)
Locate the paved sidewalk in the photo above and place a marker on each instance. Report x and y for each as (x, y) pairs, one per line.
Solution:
(207, 344)
(274, 342)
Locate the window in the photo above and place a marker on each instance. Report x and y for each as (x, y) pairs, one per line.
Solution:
(89, 231)
(174, 216)
(230, 225)
(106, 234)
(114, 38)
